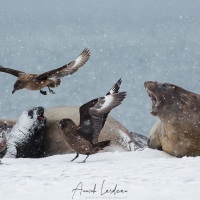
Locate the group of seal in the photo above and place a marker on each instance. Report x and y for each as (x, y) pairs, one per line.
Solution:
(27, 136)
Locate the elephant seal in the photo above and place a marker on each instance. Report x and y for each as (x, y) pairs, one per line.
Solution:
(55, 144)
(26, 137)
(121, 138)
(9, 123)
(177, 132)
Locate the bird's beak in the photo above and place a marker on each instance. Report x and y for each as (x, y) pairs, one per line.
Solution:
(13, 91)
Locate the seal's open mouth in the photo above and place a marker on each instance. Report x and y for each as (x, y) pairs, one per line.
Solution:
(152, 96)
(155, 102)
(41, 118)
(40, 113)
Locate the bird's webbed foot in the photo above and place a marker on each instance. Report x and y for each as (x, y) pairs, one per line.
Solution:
(51, 91)
(43, 92)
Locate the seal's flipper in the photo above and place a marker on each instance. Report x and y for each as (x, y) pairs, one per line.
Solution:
(11, 151)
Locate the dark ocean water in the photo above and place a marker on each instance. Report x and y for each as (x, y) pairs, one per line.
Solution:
(136, 40)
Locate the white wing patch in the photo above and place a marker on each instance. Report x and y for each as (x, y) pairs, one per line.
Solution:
(82, 59)
(78, 60)
(107, 101)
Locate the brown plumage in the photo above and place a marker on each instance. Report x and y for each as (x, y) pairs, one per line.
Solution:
(50, 79)
(83, 139)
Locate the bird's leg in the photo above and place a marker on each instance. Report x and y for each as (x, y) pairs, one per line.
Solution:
(51, 91)
(43, 92)
(75, 157)
(85, 159)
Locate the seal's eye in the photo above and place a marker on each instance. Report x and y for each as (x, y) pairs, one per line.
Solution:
(30, 113)
(173, 86)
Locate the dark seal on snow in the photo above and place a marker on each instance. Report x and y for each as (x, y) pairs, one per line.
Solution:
(177, 132)
(27, 135)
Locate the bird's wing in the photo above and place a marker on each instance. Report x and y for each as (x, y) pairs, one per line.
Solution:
(101, 109)
(14, 72)
(86, 123)
(115, 87)
(68, 69)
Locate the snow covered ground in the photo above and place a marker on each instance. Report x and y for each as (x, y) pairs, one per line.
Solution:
(147, 174)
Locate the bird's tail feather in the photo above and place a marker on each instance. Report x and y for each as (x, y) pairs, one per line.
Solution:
(57, 82)
(103, 144)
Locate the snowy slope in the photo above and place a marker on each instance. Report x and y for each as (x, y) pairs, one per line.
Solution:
(147, 174)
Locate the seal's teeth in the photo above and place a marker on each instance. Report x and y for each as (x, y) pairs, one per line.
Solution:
(157, 104)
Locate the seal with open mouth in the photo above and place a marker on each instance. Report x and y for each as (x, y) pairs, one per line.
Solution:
(177, 132)
(27, 135)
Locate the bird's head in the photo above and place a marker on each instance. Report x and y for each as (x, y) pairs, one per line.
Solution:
(18, 86)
